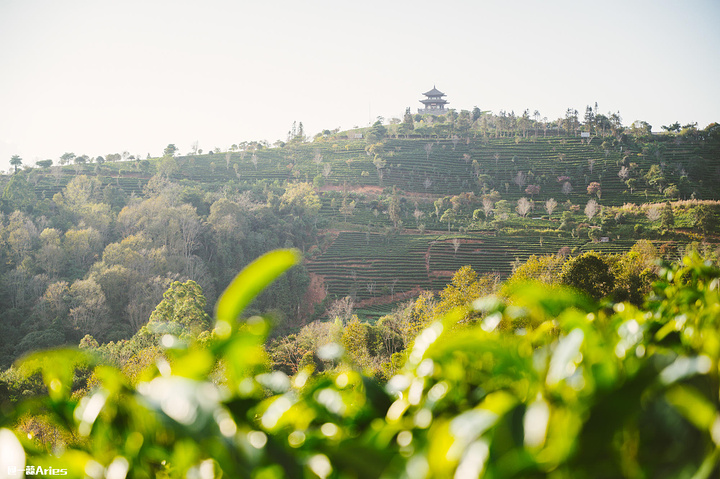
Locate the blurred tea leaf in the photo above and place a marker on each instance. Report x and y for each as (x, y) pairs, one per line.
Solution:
(252, 280)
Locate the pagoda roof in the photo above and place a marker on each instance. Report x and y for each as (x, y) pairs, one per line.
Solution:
(434, 102)
(434, 92)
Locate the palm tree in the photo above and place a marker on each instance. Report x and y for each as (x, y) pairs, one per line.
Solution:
(16, 161)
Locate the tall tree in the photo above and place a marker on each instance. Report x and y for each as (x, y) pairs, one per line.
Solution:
(16, 161)
(66, 158)
(170, 150)
(667, 217)
(589, 119)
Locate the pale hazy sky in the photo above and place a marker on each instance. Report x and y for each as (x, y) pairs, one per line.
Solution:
(97, 77)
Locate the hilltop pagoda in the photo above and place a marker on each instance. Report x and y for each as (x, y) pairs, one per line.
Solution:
(434, 103)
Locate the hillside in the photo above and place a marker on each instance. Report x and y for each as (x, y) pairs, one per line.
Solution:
(400, 215)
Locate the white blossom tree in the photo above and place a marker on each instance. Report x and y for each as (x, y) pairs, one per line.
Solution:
(550, 206)
(591, 209)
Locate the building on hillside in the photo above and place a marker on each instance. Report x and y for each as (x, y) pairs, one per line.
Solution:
(434, 103)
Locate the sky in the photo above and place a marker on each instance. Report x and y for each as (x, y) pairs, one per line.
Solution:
(96, 77)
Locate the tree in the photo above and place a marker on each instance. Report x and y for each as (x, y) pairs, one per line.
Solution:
(88, 311)
(417, 214)
(167, 167)
(590, 273)
(550, 206)
(170, 150)
(82, 245)
(354, 340)
(523, 206)
(181, 312)
(594, 189)
(672, 191)
(566, 221)
(589, 118)
(449, 215)
(66, 158)
(567, 188)
(520, 179)
(190, 226)
(488, 205)
(81, 191)
(428, 148)
(347, 209)
(16, 161)
(591, 209)
(44, 164)
(380, 166)
(631, 183)
(51, 255)
(20, 236)
(655, 177)
(624, 173)
(318, 160)
(615, 123)
(653, 213)
(376, 133)
(532, 190)
(546, 269)
(571, 120)
(640, 128)
(300, 199)
(667, 217)
(466, 286)
(675, 127)
(394, 210)
(408, 123)
(19, 194)
(705, 219)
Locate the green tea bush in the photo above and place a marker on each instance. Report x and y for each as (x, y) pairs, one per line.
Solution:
(547, 383)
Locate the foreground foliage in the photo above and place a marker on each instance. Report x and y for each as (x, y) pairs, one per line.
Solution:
(545, 383)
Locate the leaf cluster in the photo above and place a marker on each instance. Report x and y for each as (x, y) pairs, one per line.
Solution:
(545, 384)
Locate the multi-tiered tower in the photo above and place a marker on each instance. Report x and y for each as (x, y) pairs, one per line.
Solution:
(434, 103)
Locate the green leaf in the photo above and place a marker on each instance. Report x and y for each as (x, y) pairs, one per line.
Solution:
(693, 405)
(252, 280)
(57, 367)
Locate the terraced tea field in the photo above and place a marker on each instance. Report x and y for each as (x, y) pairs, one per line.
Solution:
(379, 271)
(379, 263)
